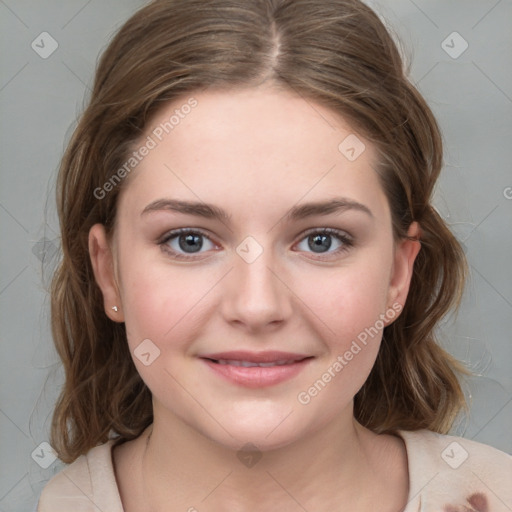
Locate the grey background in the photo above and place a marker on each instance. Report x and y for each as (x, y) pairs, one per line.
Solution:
(40, 99)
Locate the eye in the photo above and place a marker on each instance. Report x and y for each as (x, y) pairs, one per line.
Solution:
(185, 241)
(320, 241)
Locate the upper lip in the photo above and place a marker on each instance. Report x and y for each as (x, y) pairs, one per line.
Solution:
(255, 357)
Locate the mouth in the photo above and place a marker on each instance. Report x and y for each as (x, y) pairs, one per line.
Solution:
(250, 364)
(256, 369)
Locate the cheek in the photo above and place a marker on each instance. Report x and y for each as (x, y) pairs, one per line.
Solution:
(350, 308)
(160, 307)
(349, 299)
(169, 306)
(155, 307)
(155, 297)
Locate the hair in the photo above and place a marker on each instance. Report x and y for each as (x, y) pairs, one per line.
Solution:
(337, 53)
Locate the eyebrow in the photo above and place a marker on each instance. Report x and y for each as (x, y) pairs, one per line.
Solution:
(210, 211)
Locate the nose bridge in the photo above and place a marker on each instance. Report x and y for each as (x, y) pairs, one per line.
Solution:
(256, 295)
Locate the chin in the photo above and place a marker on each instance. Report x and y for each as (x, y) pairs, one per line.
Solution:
(268, 427)
(248, 438)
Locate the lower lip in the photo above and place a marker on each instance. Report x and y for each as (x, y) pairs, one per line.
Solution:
(257, 376)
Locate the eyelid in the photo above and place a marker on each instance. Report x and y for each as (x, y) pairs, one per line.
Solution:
(331, 231)
(178, 231)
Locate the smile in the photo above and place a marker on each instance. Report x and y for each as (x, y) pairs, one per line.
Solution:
(250, 364)
(256, 370)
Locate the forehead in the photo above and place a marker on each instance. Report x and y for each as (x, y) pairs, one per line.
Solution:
(253, 147)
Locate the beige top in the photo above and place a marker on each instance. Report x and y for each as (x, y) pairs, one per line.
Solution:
(446, 474)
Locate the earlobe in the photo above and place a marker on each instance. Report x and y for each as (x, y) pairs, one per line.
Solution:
(405, 255)
(102, 262)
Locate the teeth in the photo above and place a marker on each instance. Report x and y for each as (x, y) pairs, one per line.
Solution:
(250, 364)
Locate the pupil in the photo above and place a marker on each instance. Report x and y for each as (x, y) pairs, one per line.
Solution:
(190, 242)
(322, 242)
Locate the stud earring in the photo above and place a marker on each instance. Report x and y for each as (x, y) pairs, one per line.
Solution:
(114, 308)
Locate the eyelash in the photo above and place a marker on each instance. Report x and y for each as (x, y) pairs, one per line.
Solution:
(346, 240)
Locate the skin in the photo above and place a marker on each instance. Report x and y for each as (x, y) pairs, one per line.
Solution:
(256, 153)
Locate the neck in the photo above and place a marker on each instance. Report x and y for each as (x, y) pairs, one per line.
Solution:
(180, 465)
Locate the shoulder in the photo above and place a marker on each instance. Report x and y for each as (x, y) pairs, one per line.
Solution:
(86, 485)
(454, 474)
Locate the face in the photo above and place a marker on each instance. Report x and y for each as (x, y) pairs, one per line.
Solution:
(254, 266)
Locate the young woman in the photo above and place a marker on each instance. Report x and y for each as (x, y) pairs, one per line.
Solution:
(252, 273)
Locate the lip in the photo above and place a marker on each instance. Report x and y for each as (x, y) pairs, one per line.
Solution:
(269, 356)
(257, 376)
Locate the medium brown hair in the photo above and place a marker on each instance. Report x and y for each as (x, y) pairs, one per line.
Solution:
(334, 52)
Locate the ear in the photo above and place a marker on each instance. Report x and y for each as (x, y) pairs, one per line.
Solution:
(401, 274)
(102, 261)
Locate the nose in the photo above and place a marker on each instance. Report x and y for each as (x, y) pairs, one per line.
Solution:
(256, 296)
